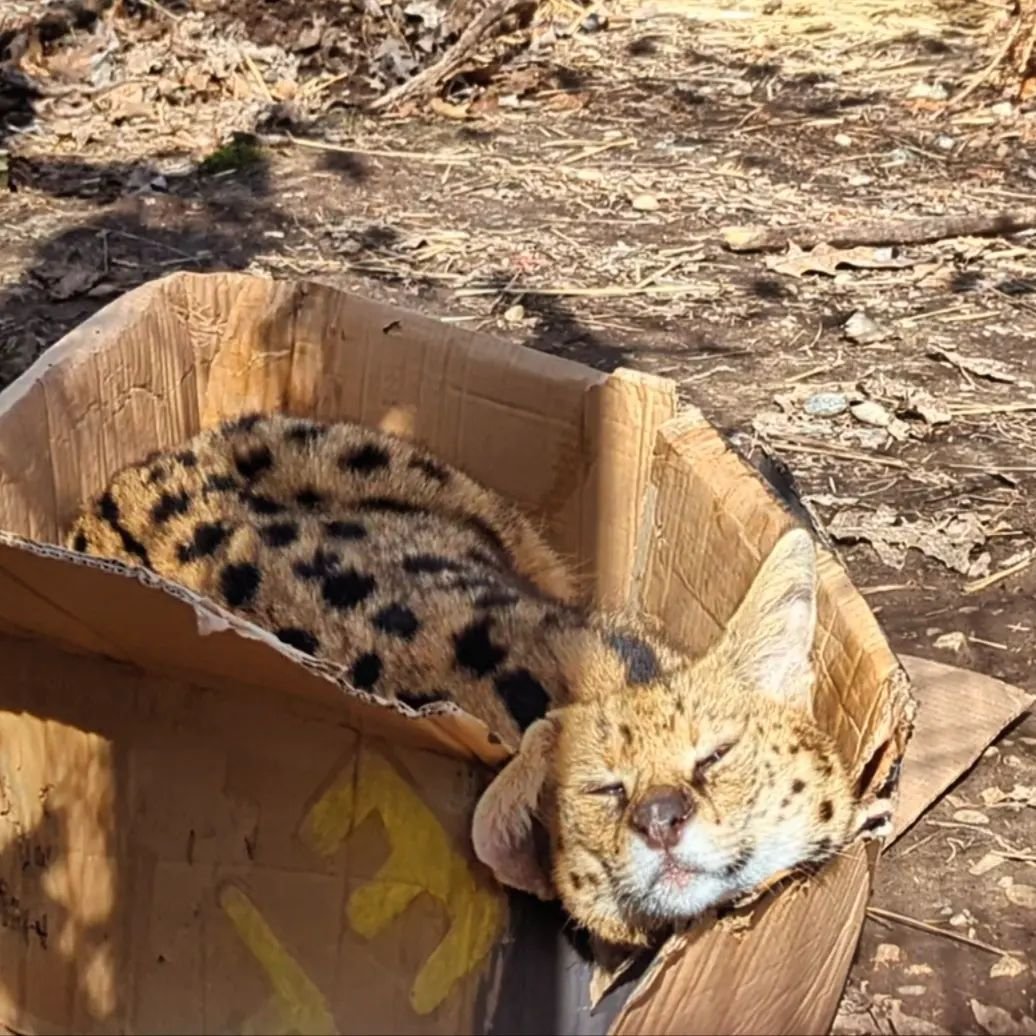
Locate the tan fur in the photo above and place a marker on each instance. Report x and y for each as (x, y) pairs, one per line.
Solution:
(362, 549)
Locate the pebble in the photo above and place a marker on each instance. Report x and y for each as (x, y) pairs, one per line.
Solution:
(645, 203)
(826, 404)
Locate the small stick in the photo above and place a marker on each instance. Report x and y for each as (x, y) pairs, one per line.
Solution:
(410, 156)
(256, 75)
(877, 232)
(982, 76)
(431, 78)
(996, 577)
(839, 452)
(912, 922)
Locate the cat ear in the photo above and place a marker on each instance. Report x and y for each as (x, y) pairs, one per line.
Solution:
(503, 828)
(770, 638)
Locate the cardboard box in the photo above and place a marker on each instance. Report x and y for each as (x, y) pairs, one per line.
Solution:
(201, 831)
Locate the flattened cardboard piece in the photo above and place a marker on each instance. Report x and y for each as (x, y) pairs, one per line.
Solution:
(960, 713)
(179, 859)
(655, 512)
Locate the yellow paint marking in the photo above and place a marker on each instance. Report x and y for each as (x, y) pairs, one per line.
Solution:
(421, 859)
(297, 1006)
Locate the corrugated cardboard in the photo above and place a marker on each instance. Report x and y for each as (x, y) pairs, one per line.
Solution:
(203, 831)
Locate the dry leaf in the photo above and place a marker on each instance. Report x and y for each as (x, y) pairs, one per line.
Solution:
(985, 865)
(448, 110)
(952, 540)
(998, 1022)
(826, 259)
(1008, 967)
(77, 280)
(980, 366)
(908, 1025)
(887, 953)
(970, 816)
(1022, 895)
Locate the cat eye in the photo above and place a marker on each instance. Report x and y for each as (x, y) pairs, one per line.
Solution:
(704, 765)
(614, 791)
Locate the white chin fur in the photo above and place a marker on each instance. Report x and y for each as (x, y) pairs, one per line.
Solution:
(677, 897)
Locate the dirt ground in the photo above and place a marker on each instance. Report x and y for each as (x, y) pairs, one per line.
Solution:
(574, 199)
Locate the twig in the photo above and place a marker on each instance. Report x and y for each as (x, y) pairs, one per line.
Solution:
(410, 156)
(877, 232)
(431, 78)
(256, 75)
(985, 582)
(803, 445)
(912, 922)
(611, 291)
(993, 65)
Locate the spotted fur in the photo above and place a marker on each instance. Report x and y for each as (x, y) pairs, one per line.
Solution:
(664, 784)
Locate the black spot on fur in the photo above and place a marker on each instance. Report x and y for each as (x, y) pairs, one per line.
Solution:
(364, 460)
(385, 503)
(627, 734)
(345, 530)
(239, 583)
(324, 563)
(525, 697)
(347, 589)
(252, 463)
(576, 880)
(188, 458)
(309, 498)
(739, 863)
(417, 701)
(243, 423)
(797, 786)
(638, 656)
(279, 534)
(824, 846)
(169, 504)
(430, 469)
(365, 671)
(826, 811)
(305, 432)
(474, 648)
(680, 706)
(298, 638)
(108, 509)
(417, 564)
(397, 620)
(496, 599)
(794, 749)
(79, 543)
(221, 483)
(207, 539)
(259, 503)
(488, 533)
(480, 557)
(157, 475)
(872, 824)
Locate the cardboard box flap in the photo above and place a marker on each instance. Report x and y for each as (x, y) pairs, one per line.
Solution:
(693, 583)
(51, 593)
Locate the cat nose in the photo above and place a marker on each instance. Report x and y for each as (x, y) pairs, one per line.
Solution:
(660, 816)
